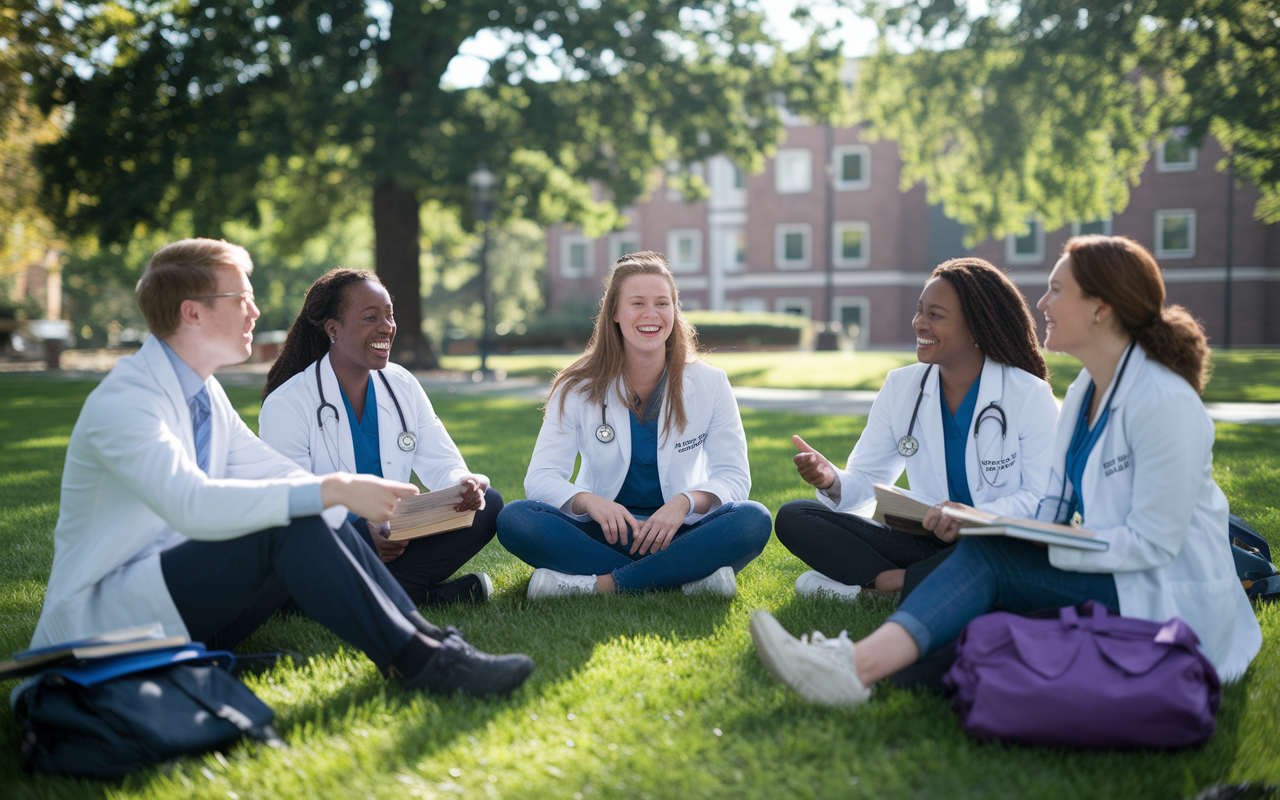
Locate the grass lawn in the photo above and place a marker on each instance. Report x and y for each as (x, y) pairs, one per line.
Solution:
(1251, 376)
(637, 697)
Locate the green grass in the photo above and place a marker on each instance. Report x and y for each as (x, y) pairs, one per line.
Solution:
(654, 696)
(1238, 375)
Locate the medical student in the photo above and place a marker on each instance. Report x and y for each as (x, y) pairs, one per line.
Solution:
(334, 401)
(660, 500)
(1132, 462)
(972, 423)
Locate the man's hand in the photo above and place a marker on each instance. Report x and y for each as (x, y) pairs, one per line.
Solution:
(367, 496)
(945, 528)
(816, 470)
(472, 495)
(614, 519)
(388, 550)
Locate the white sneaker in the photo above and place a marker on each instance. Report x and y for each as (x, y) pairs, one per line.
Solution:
(815, 584)
(549, 583)
(821, 670)
(721, 582)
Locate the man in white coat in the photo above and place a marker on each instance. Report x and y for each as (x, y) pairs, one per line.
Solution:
(172, 511)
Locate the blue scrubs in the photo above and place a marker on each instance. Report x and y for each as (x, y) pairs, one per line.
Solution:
(364, 440)
(955, 431)
(641, 490)
(1082, 441)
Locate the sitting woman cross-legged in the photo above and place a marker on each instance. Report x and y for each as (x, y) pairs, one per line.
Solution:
(661, 497)
(972, 423)
(1132, 462)
(334, 401)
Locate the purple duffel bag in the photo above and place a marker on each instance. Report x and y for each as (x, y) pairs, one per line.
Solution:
(1084, 681)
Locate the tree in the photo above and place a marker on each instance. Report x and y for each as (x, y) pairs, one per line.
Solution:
(1050, 107)
(207, 100)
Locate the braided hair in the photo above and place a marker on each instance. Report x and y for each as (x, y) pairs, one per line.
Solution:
(307, 341)
(996, 314)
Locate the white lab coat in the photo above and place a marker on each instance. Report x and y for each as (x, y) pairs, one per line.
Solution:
(288, 423)
(1149, 493)
(709, 455)
(131, 489)
(1016, 467)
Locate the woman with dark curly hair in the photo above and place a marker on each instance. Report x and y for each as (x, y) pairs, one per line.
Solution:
(334, 401)
(972, 424)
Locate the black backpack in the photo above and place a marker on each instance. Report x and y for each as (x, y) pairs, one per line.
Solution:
(111, 728)
(1252, 555)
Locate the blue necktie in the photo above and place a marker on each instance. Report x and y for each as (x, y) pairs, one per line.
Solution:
(201, 426)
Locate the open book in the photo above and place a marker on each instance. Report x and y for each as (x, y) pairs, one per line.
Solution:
(980, 523)
(901, 509)
(130, 640)
(429, 513)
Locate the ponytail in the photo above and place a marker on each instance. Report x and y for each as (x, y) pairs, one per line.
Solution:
(1121, 273)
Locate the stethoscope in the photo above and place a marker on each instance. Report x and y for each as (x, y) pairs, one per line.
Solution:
(1062, 495)
(406, 441)
(908, 445)
(604, 433)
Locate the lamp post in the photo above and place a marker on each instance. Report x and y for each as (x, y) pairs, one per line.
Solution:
(482, 181)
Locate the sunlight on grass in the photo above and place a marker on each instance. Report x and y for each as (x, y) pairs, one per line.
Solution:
(655, 696)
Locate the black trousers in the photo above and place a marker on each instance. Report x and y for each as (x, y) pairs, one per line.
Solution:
(432, 559)
(225, 590)
(852, 549)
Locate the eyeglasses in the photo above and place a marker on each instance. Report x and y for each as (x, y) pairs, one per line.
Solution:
(244, 293)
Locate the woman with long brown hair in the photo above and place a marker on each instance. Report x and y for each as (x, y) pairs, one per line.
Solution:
(660, 499)
(1132, 462)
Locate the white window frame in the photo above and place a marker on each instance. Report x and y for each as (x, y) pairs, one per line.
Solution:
(1177, 166)
(837, 166)
(1166, 213)
(751, 305)
(673, 250)
(615, 244)
(1012, 256)
(1106, 226)
(793, 170)
(690, 304)
(780, 306)
(837, 244)
(864, 329)
(567, 270)
(780, 232)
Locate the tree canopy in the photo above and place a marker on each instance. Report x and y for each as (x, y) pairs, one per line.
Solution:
(204, 105)
(1050, 107)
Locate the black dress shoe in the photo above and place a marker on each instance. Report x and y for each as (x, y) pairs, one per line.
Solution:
(458, 667)
(474, 587)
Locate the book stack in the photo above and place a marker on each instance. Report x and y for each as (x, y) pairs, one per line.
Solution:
(142, 639)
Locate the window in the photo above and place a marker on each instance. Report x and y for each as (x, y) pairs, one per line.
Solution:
(1176, 233)
(852, 167)
(792, 249)
(1027, 248)
(735, 250)
(851, 244)
(853, 314)
(684, 249)
(750, 304)
(739, 178)
(1176, 155)
(794, 168)
(690, 304)
(1099, 226)
(622, 243)
(577, 256)
(797, 306)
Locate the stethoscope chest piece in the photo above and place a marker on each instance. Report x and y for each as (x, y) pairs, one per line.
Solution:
(605, 433)
(908, 446)
(407, 441)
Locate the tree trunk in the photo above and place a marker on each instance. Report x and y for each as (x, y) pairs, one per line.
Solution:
(396, 256)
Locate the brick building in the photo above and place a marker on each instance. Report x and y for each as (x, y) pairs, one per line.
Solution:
(781, 241)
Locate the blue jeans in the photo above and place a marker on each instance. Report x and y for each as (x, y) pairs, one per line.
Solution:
(543, 536)
(994, 573)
